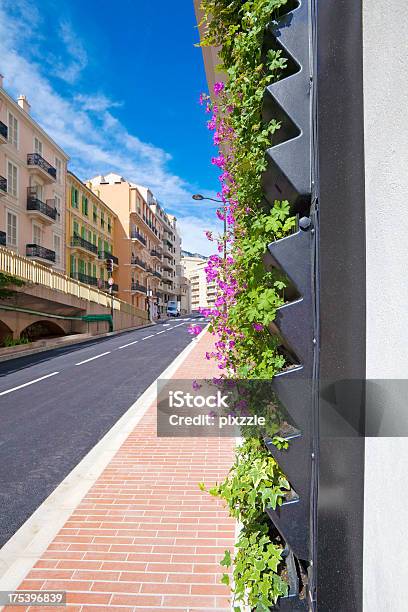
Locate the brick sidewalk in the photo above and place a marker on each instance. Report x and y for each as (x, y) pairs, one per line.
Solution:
(145, 537)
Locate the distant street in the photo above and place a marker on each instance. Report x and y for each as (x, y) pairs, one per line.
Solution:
(55, 406)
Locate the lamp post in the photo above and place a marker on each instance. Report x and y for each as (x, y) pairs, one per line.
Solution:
(198, 197)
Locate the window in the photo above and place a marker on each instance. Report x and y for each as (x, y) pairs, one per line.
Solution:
(38, 148)
(12, 179)
(74, 197)
(57, 248)
(85, 205)
(109, 225)
(37, 234)
(11, 229)
(102, 219)
(95, 214)
(73, 265)
(13, 130)
(57, 201)
(83, 232)
(76, 228)
(58, 167)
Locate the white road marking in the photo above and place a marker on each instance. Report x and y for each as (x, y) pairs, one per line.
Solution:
(130, 344)
(28, 383)
(162, 332)
(166, 324)
(151, 336)
(174, 326)
(92, 358)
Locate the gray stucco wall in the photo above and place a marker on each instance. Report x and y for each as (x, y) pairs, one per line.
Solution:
(386, 163)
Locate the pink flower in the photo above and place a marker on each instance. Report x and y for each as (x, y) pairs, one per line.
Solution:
(218, 87)
(194, 330)
(257, 326)
(196, 385)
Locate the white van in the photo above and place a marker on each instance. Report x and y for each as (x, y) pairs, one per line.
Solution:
(172, 309)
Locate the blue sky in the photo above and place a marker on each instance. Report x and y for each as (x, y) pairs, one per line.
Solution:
(116, 84)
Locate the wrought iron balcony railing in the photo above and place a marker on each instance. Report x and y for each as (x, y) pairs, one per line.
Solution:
(35, 250)
(106, 287)
(35, 159)
(3, 184)
(157, 274)
(136, 286)
(3, 238)
(155, 253)
(85, 278)
(135, 234)
(107, 255)
(3, 130)
(78, 241)
(136, 261)
(33, 203)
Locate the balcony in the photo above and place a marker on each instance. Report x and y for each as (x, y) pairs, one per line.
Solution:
(138, 287)
(83, 245)
(85, 278)
(134, 234)
(3, 186)
(155, 253)
(3, 238)
(157, 274)
(136, 261)
(40, 253)
(104, 285)
(43, 211)
(38, 165)
(106, 255)
(3, 133)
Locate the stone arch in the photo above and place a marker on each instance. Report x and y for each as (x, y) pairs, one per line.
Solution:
(5, 331)
(42, 329)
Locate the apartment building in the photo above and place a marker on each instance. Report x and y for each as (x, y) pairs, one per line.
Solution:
(138, 240)
(202, 293)
(90, 236)
(32, 185)
(169, 224)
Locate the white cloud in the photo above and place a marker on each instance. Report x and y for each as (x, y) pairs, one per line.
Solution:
(194, 239)
(78, 59)
(84, 126)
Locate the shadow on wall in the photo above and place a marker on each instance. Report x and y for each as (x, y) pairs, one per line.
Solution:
(42, 329)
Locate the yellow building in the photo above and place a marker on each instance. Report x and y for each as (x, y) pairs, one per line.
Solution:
(89, 241)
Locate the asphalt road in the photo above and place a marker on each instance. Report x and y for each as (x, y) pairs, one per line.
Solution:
(55, 406)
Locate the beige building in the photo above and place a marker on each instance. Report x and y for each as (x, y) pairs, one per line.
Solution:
(202, 293)
(138, 240)
(32, 186)
(169, 225)
(90, 236)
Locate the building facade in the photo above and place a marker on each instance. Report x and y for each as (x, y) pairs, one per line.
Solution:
(169, 234)
(89, 236)
(32, 186)
(138, 241)
(202, 293)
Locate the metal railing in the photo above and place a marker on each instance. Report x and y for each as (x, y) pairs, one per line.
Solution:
(78, 241)
(136, 261)
(107, 255)
(136, 286)
(155, 253)
(3, 184)
(38, 274)
(136, 235)
(35, 159)
(33, 203)
(157, 274)
(85, 278)
(36, 250)
(3, 130)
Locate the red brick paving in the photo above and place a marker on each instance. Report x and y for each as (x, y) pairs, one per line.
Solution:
(145, 537)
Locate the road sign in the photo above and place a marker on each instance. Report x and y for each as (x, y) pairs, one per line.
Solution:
(110, 281)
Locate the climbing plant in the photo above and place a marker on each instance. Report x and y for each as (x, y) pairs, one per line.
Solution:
(248, 291)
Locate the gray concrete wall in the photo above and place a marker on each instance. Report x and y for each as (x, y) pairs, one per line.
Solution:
(386, 162)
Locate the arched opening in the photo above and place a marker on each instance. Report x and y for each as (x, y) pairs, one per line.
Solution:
(42, 329)
(5, 333)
